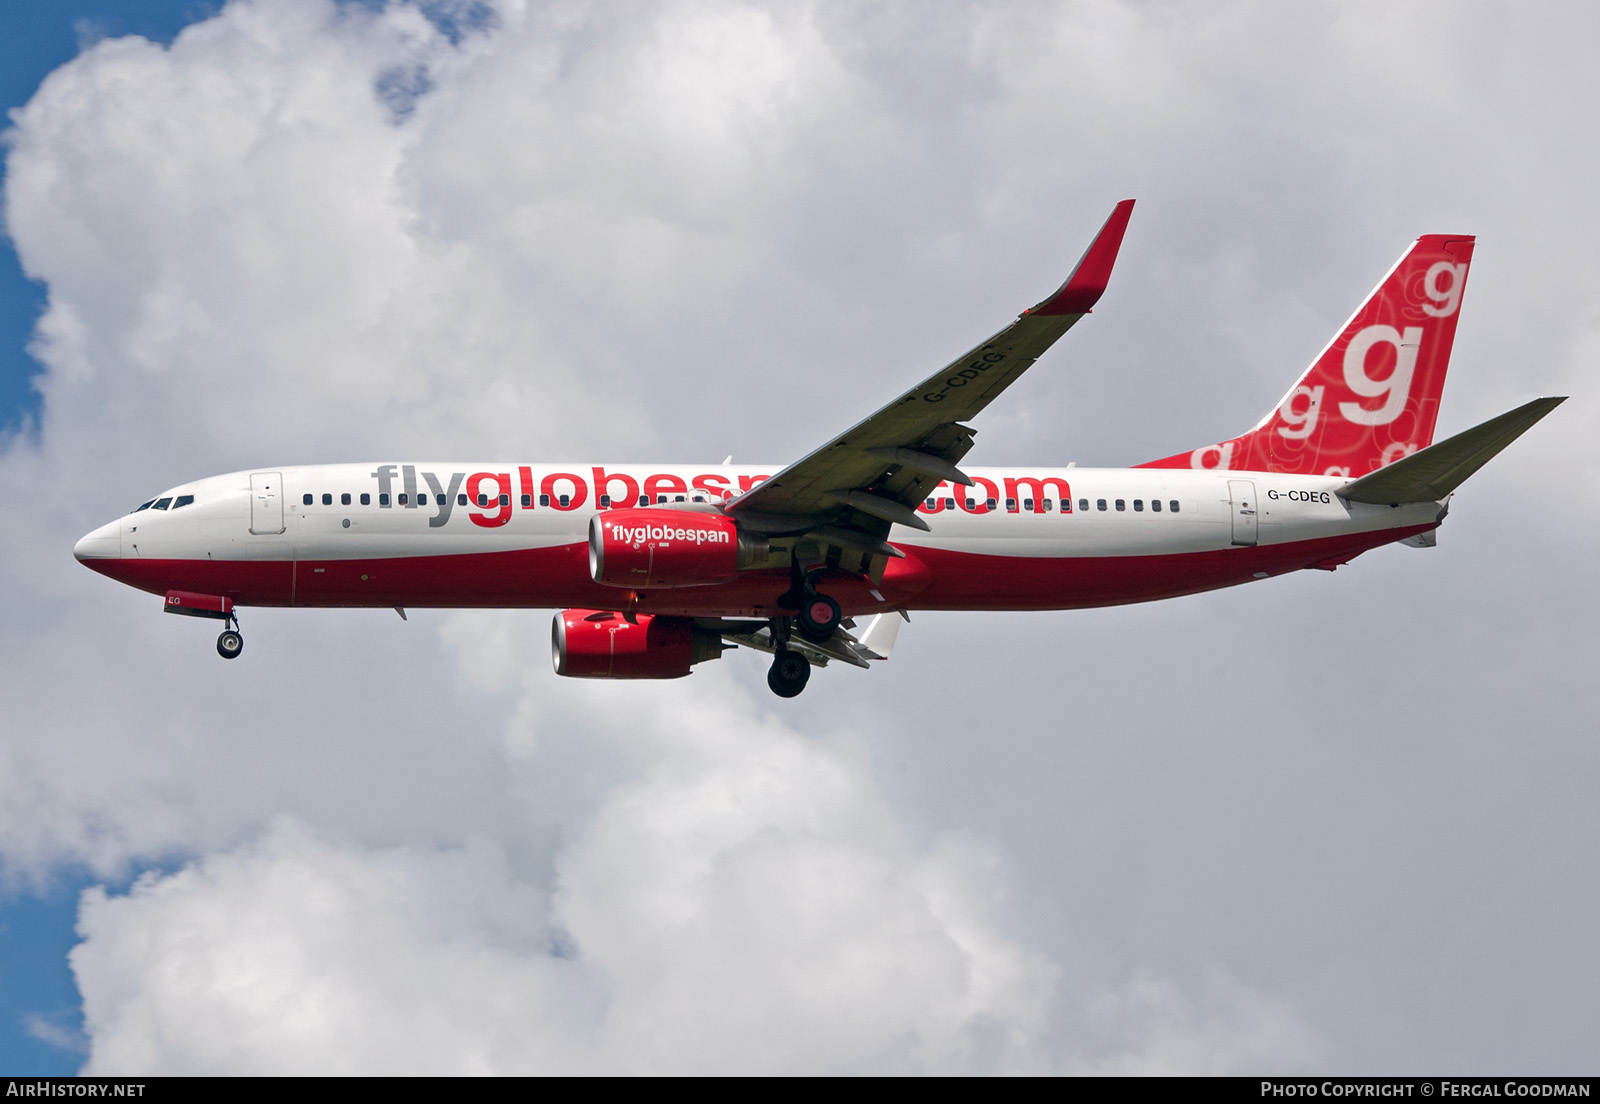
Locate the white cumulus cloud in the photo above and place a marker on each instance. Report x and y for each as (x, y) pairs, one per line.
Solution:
(1206, 836)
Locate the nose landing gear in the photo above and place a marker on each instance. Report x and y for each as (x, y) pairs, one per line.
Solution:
(214, 607)
(230, 643)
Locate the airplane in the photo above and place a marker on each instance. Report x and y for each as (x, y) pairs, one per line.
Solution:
(656, 568)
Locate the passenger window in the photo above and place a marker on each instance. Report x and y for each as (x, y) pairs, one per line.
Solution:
(699, 498)
(1173, 505)
(1083, 504)
(644, 500)
(483, 500)
(1011, 505)
(1121, 505)
(182, 500)
(991, 503)
(949, 504)
(1049, 504)
(344, 500)
(1138, 505)
(660, 498)
(401, 499)
(327, 500)
(366, 499)
(566, 500)
(1099, 504)
(678, 498)
(146, 506)
(308, 500)
(1155, 504)
(527, 502)
(930, 503)
(605, 502)
(972, 504)
(544, 500)
(383, 500)
(161, 503)
(505, 500)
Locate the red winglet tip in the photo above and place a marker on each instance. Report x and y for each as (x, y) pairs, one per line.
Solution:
(1088, 281)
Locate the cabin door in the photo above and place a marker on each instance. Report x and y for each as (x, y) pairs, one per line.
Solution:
(266, 503)
(1243, 494)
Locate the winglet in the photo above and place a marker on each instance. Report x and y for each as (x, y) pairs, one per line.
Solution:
(1088, 281)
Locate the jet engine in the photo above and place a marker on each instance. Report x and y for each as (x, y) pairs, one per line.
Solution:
(602, 644)
(641, 548)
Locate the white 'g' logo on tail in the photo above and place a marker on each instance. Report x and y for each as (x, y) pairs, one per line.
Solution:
(1397, 387)
(1299, 426)
(1223, 455)
(1445, 300)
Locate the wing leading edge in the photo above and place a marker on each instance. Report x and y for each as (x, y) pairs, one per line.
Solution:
(849, 491)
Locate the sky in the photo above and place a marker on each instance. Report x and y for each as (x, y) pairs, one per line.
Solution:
(1342, 823)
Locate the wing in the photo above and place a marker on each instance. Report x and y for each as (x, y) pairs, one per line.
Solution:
(848, 492)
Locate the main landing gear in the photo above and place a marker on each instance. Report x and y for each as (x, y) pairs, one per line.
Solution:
(789, 674)
(790, 670)
(818, 615)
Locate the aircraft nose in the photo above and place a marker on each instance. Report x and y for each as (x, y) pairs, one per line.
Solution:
(105, 543)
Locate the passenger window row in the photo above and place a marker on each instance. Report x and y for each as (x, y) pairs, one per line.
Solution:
(1121, 504)
(988, 504)
(485, 501)
(1048, 504)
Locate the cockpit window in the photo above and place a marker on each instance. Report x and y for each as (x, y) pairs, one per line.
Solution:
(161, 503)
(182, 500)
(145, 506)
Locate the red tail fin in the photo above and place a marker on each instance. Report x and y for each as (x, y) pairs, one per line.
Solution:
(1372, 396)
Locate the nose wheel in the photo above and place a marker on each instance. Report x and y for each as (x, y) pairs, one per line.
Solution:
(231, 642)
(789, 674)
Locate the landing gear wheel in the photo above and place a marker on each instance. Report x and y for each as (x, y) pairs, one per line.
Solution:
(789, 673)
(819, 616)
(230, 644)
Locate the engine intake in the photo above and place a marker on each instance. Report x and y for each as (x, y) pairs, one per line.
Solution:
(638, 548)
(602, 644)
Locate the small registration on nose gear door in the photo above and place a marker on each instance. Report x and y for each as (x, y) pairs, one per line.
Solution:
(266, 503)
(1243, 494)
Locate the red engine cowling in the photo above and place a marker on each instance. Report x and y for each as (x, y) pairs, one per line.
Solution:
(602, 644)
(662, 548)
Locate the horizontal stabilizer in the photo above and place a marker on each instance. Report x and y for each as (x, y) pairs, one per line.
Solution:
(1432, 473)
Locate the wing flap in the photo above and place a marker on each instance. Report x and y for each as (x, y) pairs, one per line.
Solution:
(858, 649)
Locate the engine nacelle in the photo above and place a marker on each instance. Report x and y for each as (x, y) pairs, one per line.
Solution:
(653, 548)
(602, 644)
